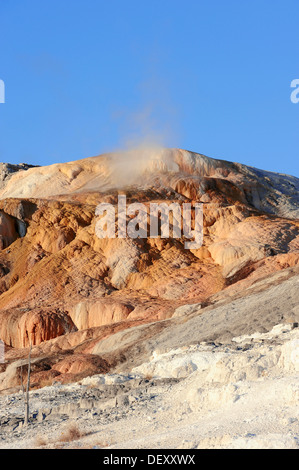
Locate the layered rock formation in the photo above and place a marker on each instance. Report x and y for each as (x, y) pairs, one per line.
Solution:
(65, 290)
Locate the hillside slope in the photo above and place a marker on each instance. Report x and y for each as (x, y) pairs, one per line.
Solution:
(91, 305)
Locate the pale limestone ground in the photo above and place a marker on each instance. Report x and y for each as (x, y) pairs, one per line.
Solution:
(243, 394)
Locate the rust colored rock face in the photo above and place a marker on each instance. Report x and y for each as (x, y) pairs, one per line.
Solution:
(63, 288)
(20, 328)
(8, 230)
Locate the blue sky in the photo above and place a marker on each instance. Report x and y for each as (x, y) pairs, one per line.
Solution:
(86, 77)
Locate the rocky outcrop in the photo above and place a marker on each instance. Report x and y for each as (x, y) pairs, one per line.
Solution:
(97, 313)
(192, 173)
(22, 327)
(7, 170)
(8, 230)
(60, 283)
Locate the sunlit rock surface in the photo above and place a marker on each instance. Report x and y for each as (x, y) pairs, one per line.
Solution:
(64, 289)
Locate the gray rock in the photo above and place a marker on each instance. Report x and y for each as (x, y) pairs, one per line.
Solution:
(122, 400)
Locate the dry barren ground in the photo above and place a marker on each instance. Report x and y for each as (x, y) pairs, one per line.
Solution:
(239, 394)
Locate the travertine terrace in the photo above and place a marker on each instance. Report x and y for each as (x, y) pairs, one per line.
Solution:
(94, 306)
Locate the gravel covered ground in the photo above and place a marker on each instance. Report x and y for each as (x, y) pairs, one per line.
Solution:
(241, 394)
